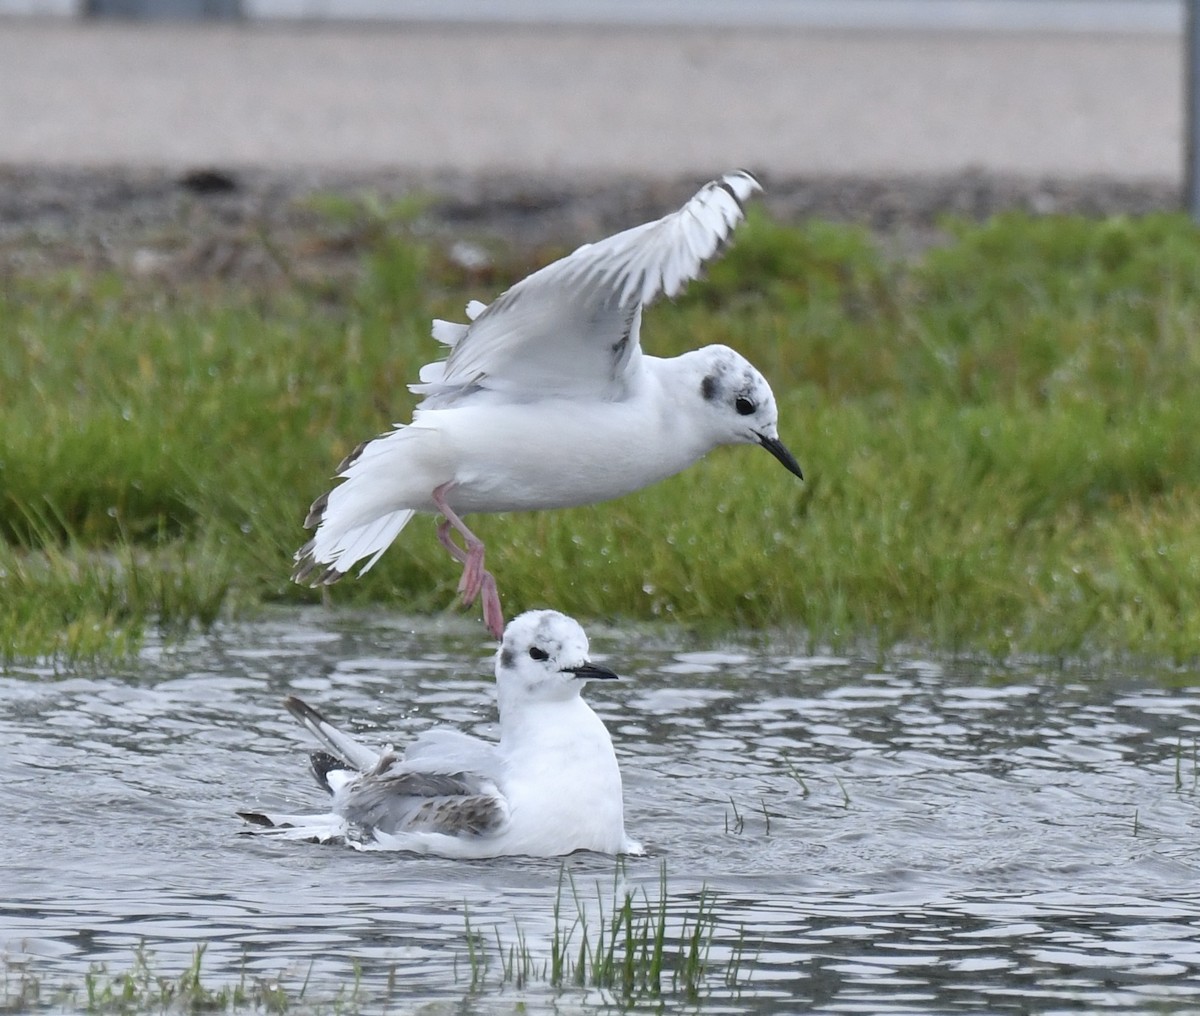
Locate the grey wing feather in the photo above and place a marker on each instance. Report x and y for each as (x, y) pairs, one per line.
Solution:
(445, 749)
(405, 800)
(572, 328)
(438, 787)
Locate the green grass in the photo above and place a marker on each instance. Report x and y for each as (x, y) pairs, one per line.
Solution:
(999, 440)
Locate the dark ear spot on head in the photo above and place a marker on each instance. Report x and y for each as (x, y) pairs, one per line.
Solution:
(507, 657)
(708, 387)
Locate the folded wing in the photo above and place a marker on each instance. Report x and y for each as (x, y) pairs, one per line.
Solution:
(439, 785)
(407, 801)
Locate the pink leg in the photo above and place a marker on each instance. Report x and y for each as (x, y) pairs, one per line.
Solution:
(472, 558)
(475, 578)
(447, 541)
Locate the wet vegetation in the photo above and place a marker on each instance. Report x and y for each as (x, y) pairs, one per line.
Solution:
(622, 944)
(999, 439)
(632, 948)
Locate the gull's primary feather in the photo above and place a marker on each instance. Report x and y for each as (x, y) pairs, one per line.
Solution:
(338, 743)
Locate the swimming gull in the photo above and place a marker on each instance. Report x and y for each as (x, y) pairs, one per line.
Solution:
(550, 786)
(547, 401)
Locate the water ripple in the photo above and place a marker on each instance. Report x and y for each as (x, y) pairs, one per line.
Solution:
(922, 837)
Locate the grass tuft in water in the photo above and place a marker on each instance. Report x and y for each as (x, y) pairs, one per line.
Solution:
(632, 949)
(141, 989)
(1195, 754)
(738, 823)
(477, 955)
(794, 773)
(144, 989)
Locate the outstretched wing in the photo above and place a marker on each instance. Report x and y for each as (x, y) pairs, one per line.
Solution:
(572, 328)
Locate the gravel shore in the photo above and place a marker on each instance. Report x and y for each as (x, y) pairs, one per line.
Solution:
(213, 223)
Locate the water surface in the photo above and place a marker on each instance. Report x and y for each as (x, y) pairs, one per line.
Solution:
(914, 837)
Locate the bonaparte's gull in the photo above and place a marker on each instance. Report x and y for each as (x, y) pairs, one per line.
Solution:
(550, 786)
(547, 401)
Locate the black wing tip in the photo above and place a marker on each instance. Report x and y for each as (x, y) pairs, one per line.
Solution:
(311, 572)
(755, 182)
(302, 710)
(256, 818)
(725, 185)
(316, 511)
(353, 457)
(305, 563)
(357, 450)
(323, 763)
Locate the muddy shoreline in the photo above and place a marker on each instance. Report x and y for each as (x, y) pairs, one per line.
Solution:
(216, 223)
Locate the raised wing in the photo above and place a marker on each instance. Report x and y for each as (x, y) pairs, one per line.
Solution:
(337, 742)
(572, 328)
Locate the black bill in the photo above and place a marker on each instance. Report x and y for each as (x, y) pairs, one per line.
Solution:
(592, 672)
(777, 448)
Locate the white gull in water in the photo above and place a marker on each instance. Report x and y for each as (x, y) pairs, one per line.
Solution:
(550, 786)
(547, 401)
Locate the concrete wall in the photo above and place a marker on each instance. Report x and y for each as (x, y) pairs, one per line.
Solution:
(1068, 15)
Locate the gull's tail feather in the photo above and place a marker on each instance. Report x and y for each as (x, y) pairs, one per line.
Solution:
(331, 553)
(448, 333)
(337, 742)
(361, 517)
(317, 828)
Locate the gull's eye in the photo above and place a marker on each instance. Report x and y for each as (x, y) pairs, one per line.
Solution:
(744, 406)
(538, 654)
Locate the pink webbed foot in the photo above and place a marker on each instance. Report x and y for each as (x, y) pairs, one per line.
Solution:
(473, 575)
(493, 616)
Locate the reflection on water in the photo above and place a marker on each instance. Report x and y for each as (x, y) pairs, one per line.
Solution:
(909, 838)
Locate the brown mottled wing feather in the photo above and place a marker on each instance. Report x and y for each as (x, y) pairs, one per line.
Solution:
(453, 803)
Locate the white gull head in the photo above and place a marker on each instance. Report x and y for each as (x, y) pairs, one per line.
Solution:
(735, 401)
(543, 658)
